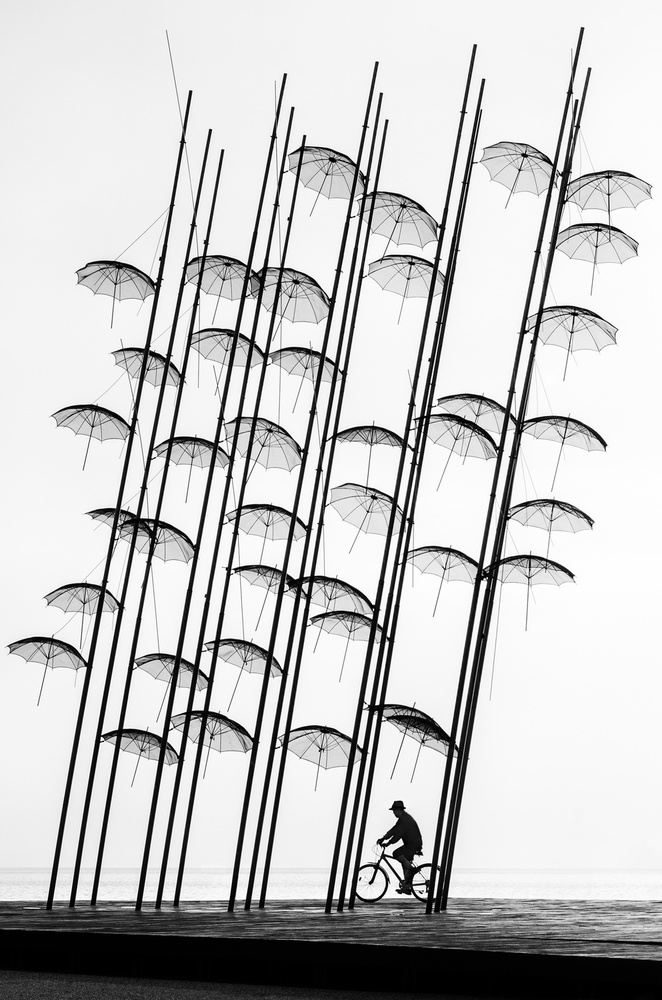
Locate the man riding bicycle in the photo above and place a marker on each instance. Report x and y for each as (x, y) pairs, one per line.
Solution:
(405, 829)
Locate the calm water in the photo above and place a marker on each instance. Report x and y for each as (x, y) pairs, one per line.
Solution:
(311, 883)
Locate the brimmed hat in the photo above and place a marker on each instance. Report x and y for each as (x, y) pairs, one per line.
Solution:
(398, 804)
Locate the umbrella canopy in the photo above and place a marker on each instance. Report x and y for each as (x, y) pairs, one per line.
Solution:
(326, 171)
(531, 569)
(460, 435)
(371, 435)
(350, 624)
(304, 362)
(106, 515)
(323, 746)
(420, 727)
(161, 666)
(449, 564)
(246, 655)
(566, 431)
(573, 328)
(486, 412)
(405, 275)
(267, 520)
(597, 244)
(220, 733)
(551, 515)
(266, 577)
(336, 595)
(192, 451)
(93, 422)
(142, 743)
(216, 345)
(366, 508)
(301, 299)
(170, 542)
(273, 447)
(83, 598)
(518, 166)
(131, 359)
(112, 277)
(222, 276)
(400, 219)
(607, 190)
(51, 652)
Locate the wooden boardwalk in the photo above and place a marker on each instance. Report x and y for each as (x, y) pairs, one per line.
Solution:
(479, 947)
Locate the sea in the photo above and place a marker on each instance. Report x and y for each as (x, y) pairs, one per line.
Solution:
(209, 884)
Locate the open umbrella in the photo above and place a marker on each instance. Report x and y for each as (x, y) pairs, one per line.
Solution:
(448, 564)
(273, 447)
(223, 276)
(216, 345)
(301, 299)
(531, 570)
(486, 412)
(248, 656)
(597, 244)
(324, 746)
(574, 329)
(220, 733)
(607, 190)
(268, 520)
(400, 219)
(336, 595)
(266, 577)
(327, 172)
(550, 515)
(566, 431)
(460, 436)
(366, 508)
(410, 721)
(410, 277)
(51, 652)
(372, 436)
(518, 166)
(351, 624)
(140, 742)
(192, 451)
(94, 422)
(131, 359)
(161, 667)
(305, 363)
(81, 598)
(170, 542)
(112, 277)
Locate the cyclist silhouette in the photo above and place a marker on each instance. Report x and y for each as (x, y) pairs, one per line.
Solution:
(406, 829)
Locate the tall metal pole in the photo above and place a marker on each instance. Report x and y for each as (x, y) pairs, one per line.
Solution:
(114, 526)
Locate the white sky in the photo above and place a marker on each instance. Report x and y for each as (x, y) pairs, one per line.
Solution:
(564, 769)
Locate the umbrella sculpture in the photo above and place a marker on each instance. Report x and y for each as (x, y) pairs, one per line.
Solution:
(331, 593)
(266, 577)
(461, 435)
(276, 448)
(448, 564)
(106, 515)
(192, 451)
(607, 190)
(324, 746)
(112, 277)
(170, 542)
(93, 421)
(223, 276)
(597, 244)
(421, 727)
(371, 435)
(565, 431)
(410, 277)
(220, 733)
(574, 329)
(400, 219)
(482, 410)
(81, 598)
(161, 667)
(550, 515)
(366, 508)
(51, 652)
(267, 520)
(248, 656)
(327, 172)
(531, 570)
(131, 359)
(351, 624)
(301, 299)
(216, 345)
(141, 742)
(518, 166)
(305, 363)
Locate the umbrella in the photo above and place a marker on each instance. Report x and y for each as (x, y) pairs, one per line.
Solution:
(192, 451)
(81, 598)
(596, 243)
(351, 624)
(131, 359)
(482, 410)
(551, 515)
(400, 219)
(266, 577)
(217, 344)
(222, 276)
(574, 329)
(565, 431)
(371, 435)
(461, 435)
(366, 508)
(268, 520)
(301, 299)
(448, 564)
(327, 172)
(531, 570)
(324, 746)
(423, 728)
(410, 277)
(106, 515)
(112, 277)
(607, 190)
(331, 593)
(93, 421)
(246, 655)
(51, 652)
(141, 742)
(518, 166)
(220, 733)
(305, 363)
(277, 449)
(161, 667)
(170, 542)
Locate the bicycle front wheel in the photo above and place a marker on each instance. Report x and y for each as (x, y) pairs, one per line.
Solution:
(421, 881)
(372, 883)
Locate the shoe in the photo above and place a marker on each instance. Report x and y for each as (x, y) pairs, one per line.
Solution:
(405, 889)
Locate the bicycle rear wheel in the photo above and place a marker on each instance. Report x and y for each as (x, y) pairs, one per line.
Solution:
(372, 883)
(421, 881)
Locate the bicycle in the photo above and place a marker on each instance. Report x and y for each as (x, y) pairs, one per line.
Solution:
(373, 880)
